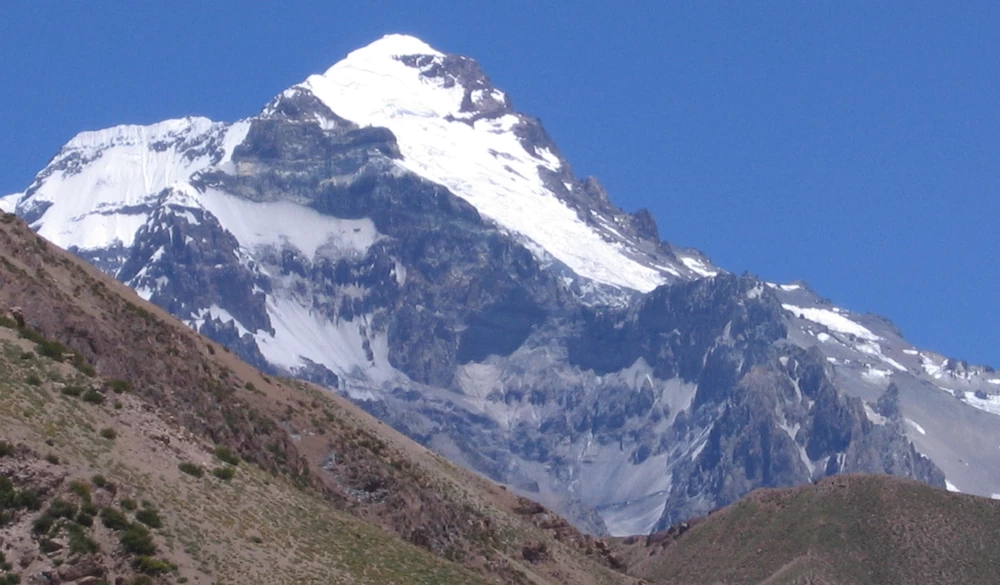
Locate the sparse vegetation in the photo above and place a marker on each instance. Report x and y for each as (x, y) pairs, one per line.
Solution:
(109, 433)
(137, 540)
(150, 517)
(226, 455)
(6, 449)
(118, 386)
(224, 473)
(114, 519)
(192, 469)
(93, 397)
(74, 391)
(128, 504)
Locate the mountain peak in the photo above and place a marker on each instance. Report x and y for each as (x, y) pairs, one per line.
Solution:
(394, 45)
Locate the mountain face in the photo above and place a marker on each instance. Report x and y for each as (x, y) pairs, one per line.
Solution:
(394, 230)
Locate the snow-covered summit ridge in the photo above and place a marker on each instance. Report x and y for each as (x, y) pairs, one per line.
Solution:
(397, 82)
(453, 128)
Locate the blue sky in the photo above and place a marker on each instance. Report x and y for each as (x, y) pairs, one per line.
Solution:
(852, 145)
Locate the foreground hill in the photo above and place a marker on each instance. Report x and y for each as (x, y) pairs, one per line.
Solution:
(138, 450)
(845, 529)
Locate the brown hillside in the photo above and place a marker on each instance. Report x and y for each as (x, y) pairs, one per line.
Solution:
(844, 530)
(308, 441)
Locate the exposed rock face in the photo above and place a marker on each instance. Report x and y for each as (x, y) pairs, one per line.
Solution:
(580, 359)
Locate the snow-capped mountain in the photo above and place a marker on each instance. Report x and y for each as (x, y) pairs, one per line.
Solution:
(394, 229)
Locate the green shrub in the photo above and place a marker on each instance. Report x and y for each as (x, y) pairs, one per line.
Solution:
(192, 469)
(150, 566)
(119, 386)
(52, 458)
(117, 404)
(79, 542)
(128, 504)
(10, 579)
(149, 517)
(226, 455)
(89, 508)
(114, 519)
(224, 473)
(84, 519)
(81, 489)
(33, 379)
(73, 391)
(42, 524)
(6, 449)
(109, 434)
(61, 509)
(93, 396)
(137, 540)
(27, 355)
(52, 349)
(99, 481)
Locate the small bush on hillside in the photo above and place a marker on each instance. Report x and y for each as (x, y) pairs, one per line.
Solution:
(150, 517)
(52, 458)
(52, 349)
(73, 391)
(137, 540)
(93, 396)
(226, 455)
(33, 379)
(81, 489)
(191, 469)
(6, 449)
(150, 566)
(109, 434)
(99, 481)
(119, 386)
(128, 504)
(224, 473)
(114, 519)
(79, 542)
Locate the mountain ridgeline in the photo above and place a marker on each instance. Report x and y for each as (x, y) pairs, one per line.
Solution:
(395, 231)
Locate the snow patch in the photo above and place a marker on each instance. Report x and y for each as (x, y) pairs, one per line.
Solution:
(9, 202)
(916, 426)
(283, 223)
(832, 321)
(951, 487)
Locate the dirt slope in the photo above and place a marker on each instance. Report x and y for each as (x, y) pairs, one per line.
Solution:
(324, 493)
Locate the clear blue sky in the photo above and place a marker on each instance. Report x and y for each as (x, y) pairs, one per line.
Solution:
(852, 145)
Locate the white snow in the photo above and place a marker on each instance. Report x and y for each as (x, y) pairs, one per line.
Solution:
(301, 333)
(823, 337)
(873, 416)
(994, 381)
(484, 163)
(790, 287)
(990, 404)
(914, 424)
(832, 321)
(91, 209)
(283, 222)
(9, 202)
(911, 352)
(697, 266)
(951, 487)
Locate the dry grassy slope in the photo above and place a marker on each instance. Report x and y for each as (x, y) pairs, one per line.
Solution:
(844, 530)
(319, 443)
